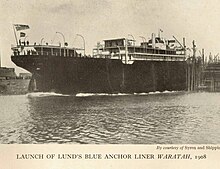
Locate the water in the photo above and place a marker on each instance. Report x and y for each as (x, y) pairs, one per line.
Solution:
(155, 118)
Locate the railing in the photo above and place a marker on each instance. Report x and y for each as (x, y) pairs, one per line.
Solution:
(45, 50)
(31, 53)
(143, 56)
(44, 53)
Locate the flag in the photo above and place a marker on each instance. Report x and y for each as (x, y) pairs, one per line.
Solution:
(22, 34)
(20, 27)
(161, 30)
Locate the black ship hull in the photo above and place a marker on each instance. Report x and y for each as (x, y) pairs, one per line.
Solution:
(99, 75)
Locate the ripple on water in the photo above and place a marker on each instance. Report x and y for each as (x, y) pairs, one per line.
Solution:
(145, 118)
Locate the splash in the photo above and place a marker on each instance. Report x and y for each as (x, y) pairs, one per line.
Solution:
(100, 94)
(122, 94)
(164, 92)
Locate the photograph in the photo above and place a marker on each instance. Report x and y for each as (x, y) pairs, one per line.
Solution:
(102, 80)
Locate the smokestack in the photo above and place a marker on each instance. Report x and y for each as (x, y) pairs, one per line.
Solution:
(153, 40)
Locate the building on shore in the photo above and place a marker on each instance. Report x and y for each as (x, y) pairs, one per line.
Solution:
(7, 73)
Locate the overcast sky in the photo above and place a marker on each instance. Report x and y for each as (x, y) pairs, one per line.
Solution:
(102, 19)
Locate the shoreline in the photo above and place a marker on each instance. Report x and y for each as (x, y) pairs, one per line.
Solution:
(14, 86)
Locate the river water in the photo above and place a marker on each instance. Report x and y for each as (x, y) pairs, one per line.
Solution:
(154, 118)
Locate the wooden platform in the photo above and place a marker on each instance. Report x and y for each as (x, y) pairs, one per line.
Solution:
(211, 76)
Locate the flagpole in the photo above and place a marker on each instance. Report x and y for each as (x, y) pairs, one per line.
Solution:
(15, 34)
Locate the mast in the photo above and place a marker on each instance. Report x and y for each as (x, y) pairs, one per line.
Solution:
(184, 45)
(15, 34)
(126, 51)
(193, 80)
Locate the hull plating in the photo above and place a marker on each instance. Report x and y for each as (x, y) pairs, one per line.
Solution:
(95, 75)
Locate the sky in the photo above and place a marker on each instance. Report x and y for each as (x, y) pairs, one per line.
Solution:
(102, 19)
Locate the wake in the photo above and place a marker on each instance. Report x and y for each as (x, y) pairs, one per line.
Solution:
(44, 94)
(123, 94)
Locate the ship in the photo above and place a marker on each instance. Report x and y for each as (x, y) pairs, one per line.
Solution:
(116, 65)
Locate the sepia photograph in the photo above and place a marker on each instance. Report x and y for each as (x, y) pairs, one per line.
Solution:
(93, 84)
(109, 72)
